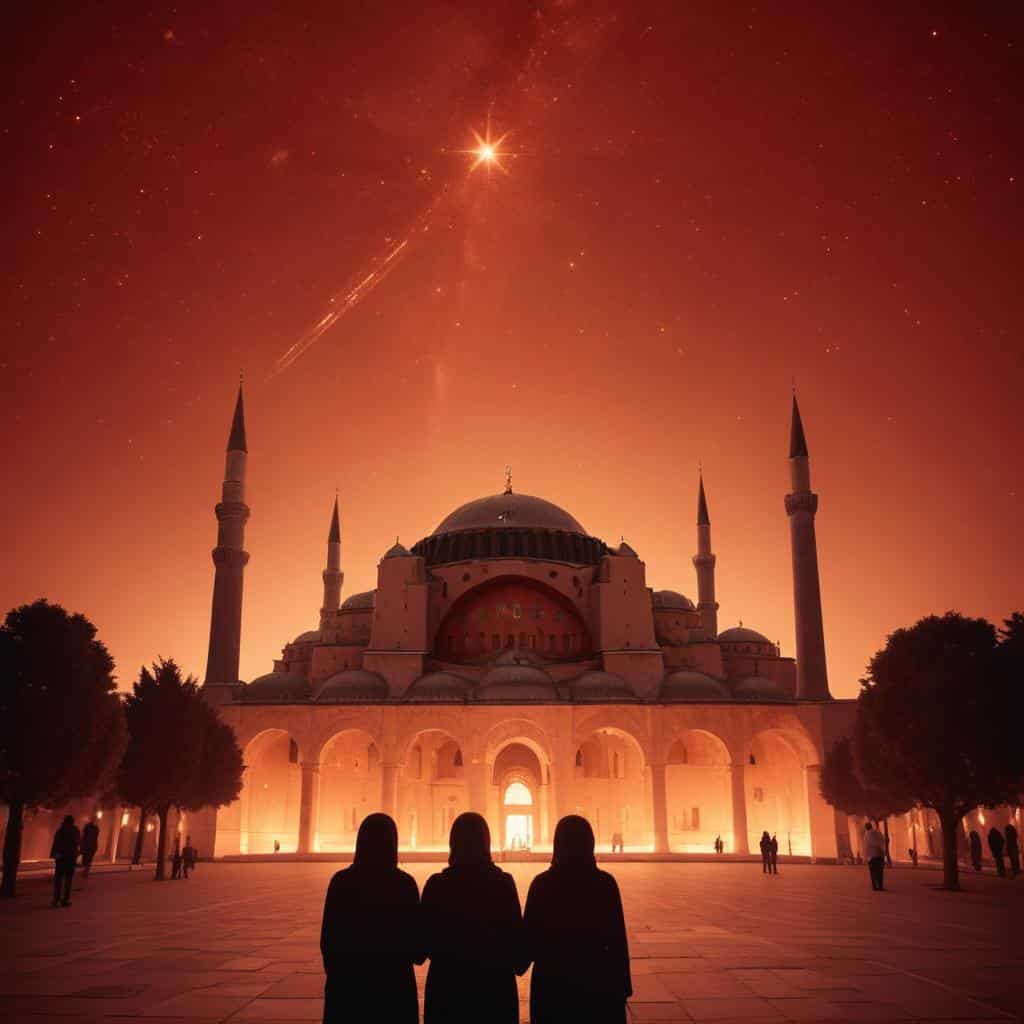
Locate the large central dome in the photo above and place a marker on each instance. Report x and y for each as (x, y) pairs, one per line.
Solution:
(511, 511)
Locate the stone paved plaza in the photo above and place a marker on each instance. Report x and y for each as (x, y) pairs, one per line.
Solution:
(238, 942)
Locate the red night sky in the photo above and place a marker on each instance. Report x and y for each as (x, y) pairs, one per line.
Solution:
(702, 202)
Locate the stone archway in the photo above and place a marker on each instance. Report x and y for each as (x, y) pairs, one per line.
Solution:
(432, 789)
(611, 787)
(698, 789)
(349, 789)
(267, 811)
(776, 790)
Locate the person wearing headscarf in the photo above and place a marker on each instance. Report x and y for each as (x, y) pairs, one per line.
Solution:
(371, 935)
(473, 932)
(576, 935)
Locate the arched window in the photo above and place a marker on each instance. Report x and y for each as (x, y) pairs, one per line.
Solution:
(518, 795)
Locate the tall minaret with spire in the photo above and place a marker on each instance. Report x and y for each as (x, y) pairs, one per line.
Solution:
(704, 563)
(801, 507)
(333, 576)
(230, 558)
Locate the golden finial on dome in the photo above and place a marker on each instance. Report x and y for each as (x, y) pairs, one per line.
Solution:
(508, 479)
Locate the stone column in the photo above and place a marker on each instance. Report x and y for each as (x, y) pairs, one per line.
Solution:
(309, 806)
(389, 790)
(659, 801)
(115, 834)
(243, 810)
(822, 818)
(544, 806)
(740, 842)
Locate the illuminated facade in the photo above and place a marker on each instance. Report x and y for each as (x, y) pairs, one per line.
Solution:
(513, 664)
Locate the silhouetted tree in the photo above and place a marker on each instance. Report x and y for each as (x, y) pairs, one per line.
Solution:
(218, 782)
(180, 754)
(843, 786)
(933, 722)
(164, 746)
(62, 731)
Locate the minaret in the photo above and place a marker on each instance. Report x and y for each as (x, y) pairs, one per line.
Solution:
(230, 558)
(704, 562)
(333, 576)
(801, 506)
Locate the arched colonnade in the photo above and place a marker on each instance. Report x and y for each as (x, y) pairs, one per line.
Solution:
(656, 779)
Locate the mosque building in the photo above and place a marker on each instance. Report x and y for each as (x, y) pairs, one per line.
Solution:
(513, 664)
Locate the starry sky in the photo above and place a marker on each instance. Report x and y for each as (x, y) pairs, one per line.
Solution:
(700, 204)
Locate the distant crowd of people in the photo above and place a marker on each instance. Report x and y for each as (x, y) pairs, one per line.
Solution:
(468, 924)
(70, 843)
(1002, 847)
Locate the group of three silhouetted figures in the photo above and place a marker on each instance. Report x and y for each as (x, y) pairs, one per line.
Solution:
(468, 924)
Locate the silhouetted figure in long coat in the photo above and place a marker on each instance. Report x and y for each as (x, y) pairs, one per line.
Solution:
(995, 844)
(370, 937)
(766, 852)
(89, 845)
(1013, 850)
(576, 935)
(975, 844)
(474, 934)
(64, 852)
(773, 854)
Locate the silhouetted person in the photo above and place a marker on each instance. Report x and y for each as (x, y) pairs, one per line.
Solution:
(188, 857)
(975, 844)
(277, 846)
(576, 935)
(874, 853)
(473, 934)
(370, 936)
(719, 845)
(766, 853)
(89, 844)
(1013, 850)
(64, 852)
(912, 854)
(176, 858)
(617, 842)
(996, 845)
(773, 853)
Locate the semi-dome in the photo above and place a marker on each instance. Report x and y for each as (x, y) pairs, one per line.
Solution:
(689, 685)
(353, 684)
(758, 688)
(397, 550)
(742, 635)
(311, 636)
(359, 602)
(517, 683)
(601, 687)
(277, 686)
(672, 601)
(513, 511)
(625, 550)
(440, 686)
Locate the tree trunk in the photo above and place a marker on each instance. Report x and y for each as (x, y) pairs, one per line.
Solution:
(950, 866)
(139, 837)
(12, 847)
(161, 846)
(885, 832)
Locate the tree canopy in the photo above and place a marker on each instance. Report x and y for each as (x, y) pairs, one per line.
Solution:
(62, 731)
(934, 720)
(843, 786)
(179, 752)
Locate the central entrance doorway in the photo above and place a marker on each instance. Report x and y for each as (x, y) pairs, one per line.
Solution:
(517, 803)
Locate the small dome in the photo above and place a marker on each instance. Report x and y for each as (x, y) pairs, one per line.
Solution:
(757, 688)
(689, 685)
(625, 551)
(277, 686)
(440, 686)
(672, 601)
(353, 684)
(397, 551)
(742, 635)
(311, 636)
(517, 683)
(360, 602)
(601, 687)
(514, 511)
